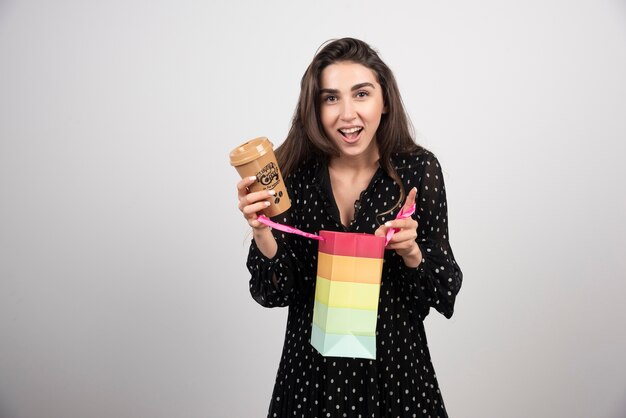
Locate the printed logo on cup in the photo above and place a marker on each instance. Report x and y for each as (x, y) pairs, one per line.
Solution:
(268, 176)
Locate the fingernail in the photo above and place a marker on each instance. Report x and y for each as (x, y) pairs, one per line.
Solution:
(267, 203)
(252, 178)
(272, 192)
(387, 224)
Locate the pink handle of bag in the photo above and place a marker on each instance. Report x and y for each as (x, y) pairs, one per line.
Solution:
(291, 230)
(401, 215)
(265, 221)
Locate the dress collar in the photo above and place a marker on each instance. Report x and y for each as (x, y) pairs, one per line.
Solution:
(321, 181)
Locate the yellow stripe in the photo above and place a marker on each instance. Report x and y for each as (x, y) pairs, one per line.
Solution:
(349, 269)
(347, 294)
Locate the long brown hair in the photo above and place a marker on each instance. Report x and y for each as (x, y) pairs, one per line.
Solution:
(306, 138)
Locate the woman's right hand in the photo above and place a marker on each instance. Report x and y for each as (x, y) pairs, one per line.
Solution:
(251, 203)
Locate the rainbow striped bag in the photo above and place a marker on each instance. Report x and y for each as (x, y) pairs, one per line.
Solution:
(349, 270)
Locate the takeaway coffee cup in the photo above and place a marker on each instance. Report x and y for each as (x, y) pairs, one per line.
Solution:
(256, 158)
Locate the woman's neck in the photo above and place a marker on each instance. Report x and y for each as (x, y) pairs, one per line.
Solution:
(359, 163)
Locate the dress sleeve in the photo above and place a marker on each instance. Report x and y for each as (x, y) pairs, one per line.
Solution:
(437, 280)
(274, 282)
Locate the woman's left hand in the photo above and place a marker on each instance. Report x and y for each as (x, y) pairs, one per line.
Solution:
(403, 241)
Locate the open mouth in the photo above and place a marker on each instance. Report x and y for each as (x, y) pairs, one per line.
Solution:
(351, 133)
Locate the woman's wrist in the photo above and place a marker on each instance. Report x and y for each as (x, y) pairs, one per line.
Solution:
(414, 258)
(265, 241)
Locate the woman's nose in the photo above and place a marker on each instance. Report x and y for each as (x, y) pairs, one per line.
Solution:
(348, 112)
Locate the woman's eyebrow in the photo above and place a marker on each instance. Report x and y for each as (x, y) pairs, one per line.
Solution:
(361, 85)
(355, 87)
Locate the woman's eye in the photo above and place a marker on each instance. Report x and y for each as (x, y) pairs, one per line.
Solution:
(330, 99)
(362, 94)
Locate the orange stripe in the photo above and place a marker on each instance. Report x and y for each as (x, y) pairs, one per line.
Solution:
(349, 269)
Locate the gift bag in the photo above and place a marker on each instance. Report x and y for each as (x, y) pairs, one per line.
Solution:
(349, 268)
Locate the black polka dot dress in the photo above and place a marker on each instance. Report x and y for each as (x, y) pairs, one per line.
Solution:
(401, 382)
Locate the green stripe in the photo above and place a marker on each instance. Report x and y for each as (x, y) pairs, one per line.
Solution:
(345, 320)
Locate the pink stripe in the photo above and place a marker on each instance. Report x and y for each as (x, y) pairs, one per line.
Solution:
(352, 244)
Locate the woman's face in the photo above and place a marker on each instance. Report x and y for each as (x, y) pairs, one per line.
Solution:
(351, 108)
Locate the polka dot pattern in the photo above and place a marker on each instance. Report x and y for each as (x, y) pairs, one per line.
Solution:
(401, 382)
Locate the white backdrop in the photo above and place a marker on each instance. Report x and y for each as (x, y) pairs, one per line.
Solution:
(123, 287)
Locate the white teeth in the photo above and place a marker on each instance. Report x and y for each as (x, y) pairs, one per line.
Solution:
(350, 130)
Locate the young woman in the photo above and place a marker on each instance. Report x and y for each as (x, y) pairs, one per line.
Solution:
(350, 164)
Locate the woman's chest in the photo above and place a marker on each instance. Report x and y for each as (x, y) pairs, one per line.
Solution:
(318, 208)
